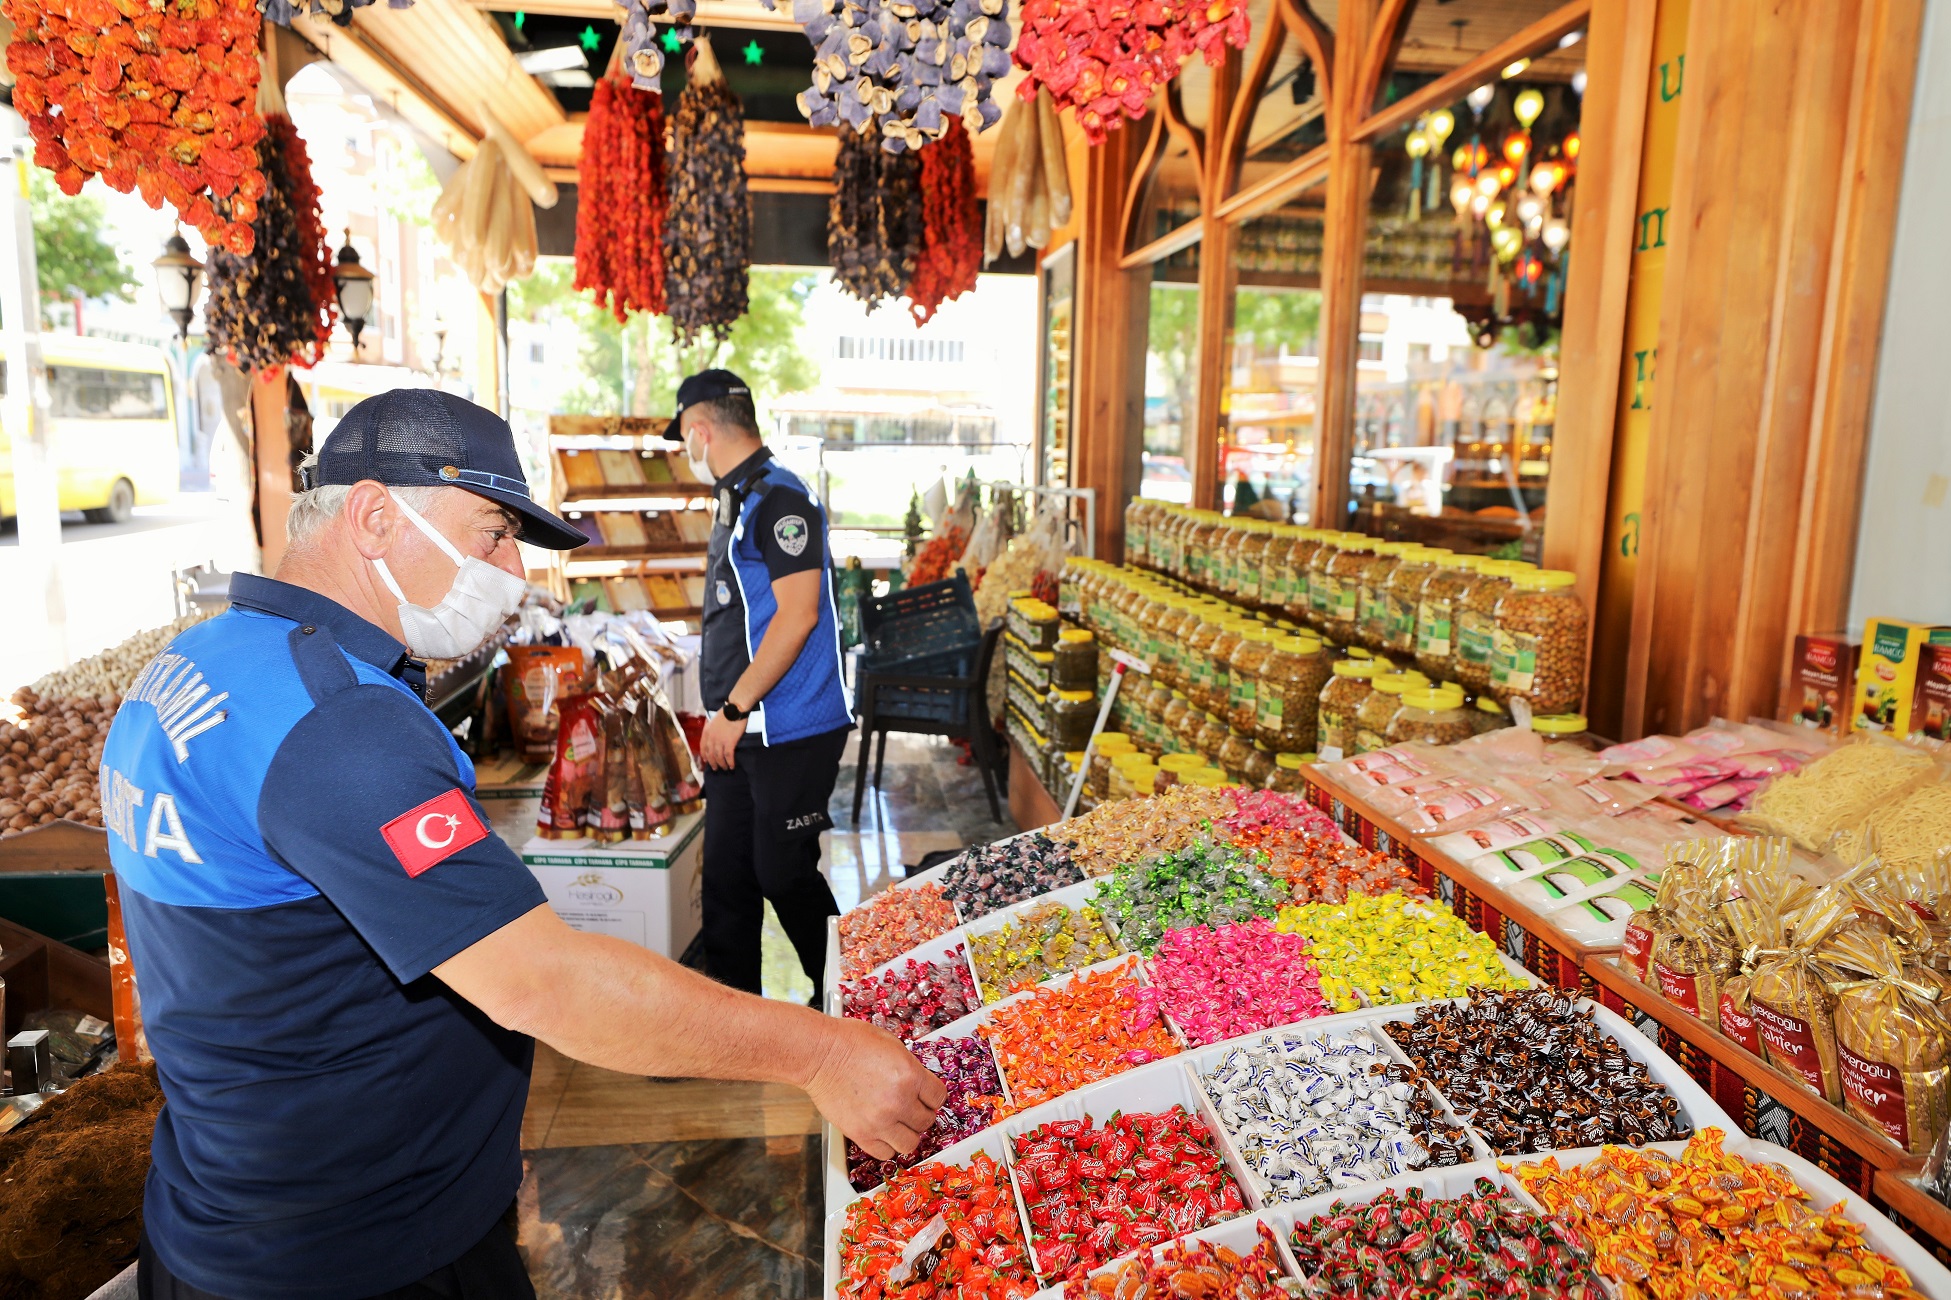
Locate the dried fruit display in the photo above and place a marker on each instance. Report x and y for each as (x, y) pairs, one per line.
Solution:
(312, 247)
(1029, 180)
(951, 241)
(486, 214)
(159, 100)
(708, 233)
(873, 225)
(620, 200)
(1106, 60)
(50, 758)
(638, 46)
(908, 67)
(261, 312)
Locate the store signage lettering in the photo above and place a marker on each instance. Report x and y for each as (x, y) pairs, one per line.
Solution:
(591, 890)
(185, 709)
(1676, 70)
(1629, 535)
(120, 799)
(1652, 230)
(1643, 376)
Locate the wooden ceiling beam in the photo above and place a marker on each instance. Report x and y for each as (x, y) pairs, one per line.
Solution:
(711, 13)
(379, 73)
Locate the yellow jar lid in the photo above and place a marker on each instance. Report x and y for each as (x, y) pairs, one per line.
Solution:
(1020, 594)
(1132, 758)
(1392, 683)
(1432, 700)
(1075, 697)
(1489, 704)
(1357, 668)
(1178, 695)
(1076, 635)
(1261, 746)
(1110, 740)
(1356, 652)
(1182, 762)
(1543, 580)
(1289, 762)
(1559, 724)
(1205, 776)
(1393, 548)
(1074, 757)
(1455, 560)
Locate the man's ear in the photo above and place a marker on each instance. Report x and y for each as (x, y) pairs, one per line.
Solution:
(370, 519)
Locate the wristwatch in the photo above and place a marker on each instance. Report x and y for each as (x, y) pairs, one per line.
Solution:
(733, 713)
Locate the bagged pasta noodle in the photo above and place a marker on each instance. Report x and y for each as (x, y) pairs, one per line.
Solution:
(1835, 794)
(1893, 1042)
(1793, 1008)
(1688, 870)
(1765, 890)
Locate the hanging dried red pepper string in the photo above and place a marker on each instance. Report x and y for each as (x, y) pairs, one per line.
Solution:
(620, 201)
(312, 249)
(951, 234)
(1106, 60)
(161, 100)
(262, 313)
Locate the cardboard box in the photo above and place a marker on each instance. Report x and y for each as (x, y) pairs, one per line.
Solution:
(1930, 706)
(1886, 683)
(1822, 683)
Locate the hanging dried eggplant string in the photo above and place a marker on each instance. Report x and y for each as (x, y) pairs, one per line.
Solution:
(910, 67)
(874, 219)
(313, 247)
(621, 200)
(261, 312)
(951, 237)
(708, 230)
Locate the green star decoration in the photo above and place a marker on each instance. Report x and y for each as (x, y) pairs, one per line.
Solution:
(671, 42)
(753, 54)
(590, 39)
(520, 18)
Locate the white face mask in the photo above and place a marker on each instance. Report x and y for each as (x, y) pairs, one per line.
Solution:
(481, 598)
(700, 466)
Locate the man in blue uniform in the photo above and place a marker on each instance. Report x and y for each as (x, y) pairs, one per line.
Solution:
(342, 968)
(777, 712)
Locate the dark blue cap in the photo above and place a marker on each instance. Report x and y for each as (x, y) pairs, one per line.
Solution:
(704, 386)
(422, 437)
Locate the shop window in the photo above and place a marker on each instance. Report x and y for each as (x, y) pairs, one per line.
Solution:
(1169, 195)
(1287, 112)
(1273, 360)
(1466, 258)
(1439, 38)
(1171, 379)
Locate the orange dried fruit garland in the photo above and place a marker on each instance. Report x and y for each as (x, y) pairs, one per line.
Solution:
(156, 100)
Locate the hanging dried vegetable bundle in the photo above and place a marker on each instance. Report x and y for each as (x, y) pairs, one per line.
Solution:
(282, 12)
(642, 56)
(909, 66)
(162, 101)
(620, 200)
(708, 233)
(874, 219)
(261, 312)
(1106, 60)
(486, 214)
(1029, 179)
(951, 242)
(313, 250)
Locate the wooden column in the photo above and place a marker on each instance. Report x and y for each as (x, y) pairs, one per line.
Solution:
(1764, 326)
(271, 453)
(1343, 237)
(1108, 348)
(1217, 276)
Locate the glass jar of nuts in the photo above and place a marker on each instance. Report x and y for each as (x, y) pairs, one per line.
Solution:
(1538, 650)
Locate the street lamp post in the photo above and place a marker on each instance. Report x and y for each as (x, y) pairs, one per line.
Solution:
(179, 276)
(354, 285)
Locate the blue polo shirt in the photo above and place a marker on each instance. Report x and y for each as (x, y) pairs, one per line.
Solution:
(298, 845)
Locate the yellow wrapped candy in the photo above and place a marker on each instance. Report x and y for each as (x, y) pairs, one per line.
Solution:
(1389, 949)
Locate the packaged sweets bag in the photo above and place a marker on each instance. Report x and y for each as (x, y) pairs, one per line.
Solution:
(1793, 1008)
(575, 773)
(537, 678)
(1644, 927)
(1893, 1042)
(1693, 958)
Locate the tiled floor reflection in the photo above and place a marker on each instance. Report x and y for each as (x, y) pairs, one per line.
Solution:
(731, 1217)
(699, 1188)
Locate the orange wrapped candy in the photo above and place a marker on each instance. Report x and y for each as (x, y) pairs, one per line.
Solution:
(1089, 1028)
(937, 1230)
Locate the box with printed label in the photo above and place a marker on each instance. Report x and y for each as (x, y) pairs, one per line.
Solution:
(1822, 682)
(1930, 706)
(645, 891)
(1886, 685)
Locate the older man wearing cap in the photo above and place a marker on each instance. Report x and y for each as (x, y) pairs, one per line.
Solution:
(778, 712)
(342, 967)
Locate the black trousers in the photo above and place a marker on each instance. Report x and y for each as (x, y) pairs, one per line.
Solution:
(763, 818)
(492, 1269)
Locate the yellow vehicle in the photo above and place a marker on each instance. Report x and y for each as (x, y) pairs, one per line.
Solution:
(113, 409)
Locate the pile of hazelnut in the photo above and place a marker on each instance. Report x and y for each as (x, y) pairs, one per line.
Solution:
(50, 758)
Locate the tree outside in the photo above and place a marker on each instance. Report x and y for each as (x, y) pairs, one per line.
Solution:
(71, 245)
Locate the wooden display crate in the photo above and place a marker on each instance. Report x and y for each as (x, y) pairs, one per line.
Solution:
(1914, 1210)
(1526, 936)
(51, 882)
(42, 974)
(1767, 1102)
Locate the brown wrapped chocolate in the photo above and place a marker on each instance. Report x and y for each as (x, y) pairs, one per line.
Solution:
(1893, 1042)
(1793, 1008)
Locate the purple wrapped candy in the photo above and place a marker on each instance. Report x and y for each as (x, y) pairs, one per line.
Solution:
(994, 876)
(968, 1070)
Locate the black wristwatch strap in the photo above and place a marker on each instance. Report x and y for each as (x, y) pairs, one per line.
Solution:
(733, 713)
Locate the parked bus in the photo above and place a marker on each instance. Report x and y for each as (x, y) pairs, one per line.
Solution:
(113, 409)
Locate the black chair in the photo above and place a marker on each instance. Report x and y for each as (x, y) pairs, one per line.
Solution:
(923, 705)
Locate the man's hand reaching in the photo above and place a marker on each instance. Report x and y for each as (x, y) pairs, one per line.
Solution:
(874, 1090)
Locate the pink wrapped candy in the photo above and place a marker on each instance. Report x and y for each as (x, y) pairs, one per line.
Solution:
(914, 998)
(1274, 810)
(1235, 979)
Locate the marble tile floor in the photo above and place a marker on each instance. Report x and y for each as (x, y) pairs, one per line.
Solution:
(698, 1188)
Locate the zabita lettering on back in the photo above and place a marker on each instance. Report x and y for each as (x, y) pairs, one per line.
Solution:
(184, 706)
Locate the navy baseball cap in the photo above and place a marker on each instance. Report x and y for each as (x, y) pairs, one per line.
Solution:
(704, 386)
(422, 437)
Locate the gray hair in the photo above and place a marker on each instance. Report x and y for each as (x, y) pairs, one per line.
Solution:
(312, 511)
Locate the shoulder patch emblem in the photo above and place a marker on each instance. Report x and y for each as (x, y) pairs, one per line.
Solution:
(791, 534)
(434, 831)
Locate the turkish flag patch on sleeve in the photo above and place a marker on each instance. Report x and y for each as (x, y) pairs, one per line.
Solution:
(433, 832)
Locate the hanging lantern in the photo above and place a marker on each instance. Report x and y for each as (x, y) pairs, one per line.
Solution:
(1530, 269)
(1494, 214)
(1529, 103)
(1556, 235)
(1506, 241)
(1461, 192)
(1488, 185)
(1515, 69)
(1479, 204)
(1437, 126)
(1417, 145)
(1469, 158)
(1570, 146)
(1530, 209)
(1543, 180)
(1517, 147)
(1479, 100)
(1506, 176)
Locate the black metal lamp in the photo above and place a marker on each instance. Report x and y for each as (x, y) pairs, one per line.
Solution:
(354, 285)
(179, 277)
